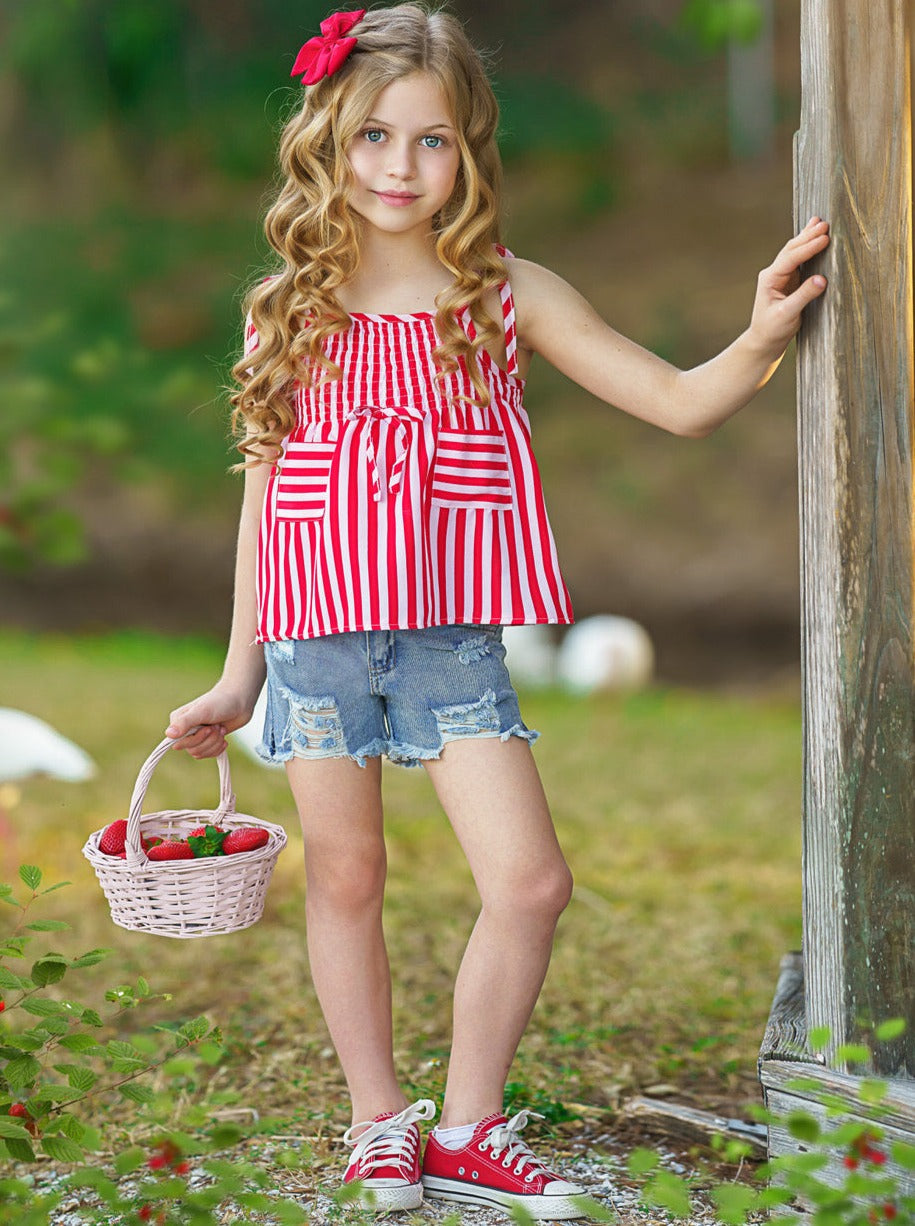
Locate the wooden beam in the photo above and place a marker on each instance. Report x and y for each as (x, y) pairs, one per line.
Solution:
(853, 166)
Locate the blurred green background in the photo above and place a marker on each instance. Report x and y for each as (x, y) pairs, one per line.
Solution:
(138, 139)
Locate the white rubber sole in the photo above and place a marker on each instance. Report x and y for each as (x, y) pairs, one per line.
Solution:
(383, 1200)
(541, 1208)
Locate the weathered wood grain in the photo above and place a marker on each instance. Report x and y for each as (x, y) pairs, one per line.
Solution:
(853, 166)
(786, 1031)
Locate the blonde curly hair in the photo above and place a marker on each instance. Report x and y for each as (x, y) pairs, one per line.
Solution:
(316, 234)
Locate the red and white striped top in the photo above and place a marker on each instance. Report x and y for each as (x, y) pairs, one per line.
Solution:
(395, 504)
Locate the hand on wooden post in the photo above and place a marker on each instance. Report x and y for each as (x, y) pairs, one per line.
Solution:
(781, 295)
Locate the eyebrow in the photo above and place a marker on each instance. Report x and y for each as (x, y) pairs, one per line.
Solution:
(430, 128)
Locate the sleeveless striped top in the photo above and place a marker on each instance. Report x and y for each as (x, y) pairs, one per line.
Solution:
(396, 505)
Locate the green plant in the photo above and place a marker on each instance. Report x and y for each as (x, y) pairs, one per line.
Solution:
(55, 1064)
(867, 1193)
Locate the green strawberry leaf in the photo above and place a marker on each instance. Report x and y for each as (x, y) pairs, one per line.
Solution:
(209, 844)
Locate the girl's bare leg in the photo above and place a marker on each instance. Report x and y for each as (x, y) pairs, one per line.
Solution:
(491, 791)
(339, 806)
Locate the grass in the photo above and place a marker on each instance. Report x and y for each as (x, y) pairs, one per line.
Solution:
(677, 810)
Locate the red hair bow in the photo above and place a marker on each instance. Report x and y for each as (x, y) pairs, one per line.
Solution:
(322, 55)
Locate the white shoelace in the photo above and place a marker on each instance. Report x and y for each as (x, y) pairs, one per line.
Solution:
(390, 1142)
(505, 1136)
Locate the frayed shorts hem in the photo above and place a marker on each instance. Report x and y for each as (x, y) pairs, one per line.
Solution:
(398, 754)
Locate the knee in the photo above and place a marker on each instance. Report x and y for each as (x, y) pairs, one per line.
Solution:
(349, 881)
(542, 894)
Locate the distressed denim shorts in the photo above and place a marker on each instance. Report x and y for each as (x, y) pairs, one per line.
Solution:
(402, 693)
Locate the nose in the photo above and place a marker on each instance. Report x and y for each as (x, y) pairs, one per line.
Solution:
(401, 161)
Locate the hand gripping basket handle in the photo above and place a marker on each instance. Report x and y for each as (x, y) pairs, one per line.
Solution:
(135, 853)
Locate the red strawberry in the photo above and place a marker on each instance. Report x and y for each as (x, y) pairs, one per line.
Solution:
(111, 842)
(21, 1111)
(171, 850)
(152, 841)
(2, 1005)
(245, 838)
(200, 832)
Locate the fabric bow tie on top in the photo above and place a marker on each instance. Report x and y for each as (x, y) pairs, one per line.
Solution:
(322, 55)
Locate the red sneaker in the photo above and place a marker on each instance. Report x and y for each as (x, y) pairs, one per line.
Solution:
(386, 1158)
(496, 1167)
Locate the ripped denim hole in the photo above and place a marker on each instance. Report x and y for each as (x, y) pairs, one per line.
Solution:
(470, 650)
(315, 724)
(469, 718)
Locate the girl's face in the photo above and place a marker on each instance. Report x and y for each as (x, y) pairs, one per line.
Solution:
(405, 159)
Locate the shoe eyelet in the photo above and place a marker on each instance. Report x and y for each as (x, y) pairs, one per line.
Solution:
(482, 1147)
(475, 1175)
(461, 1170)
(507, 1164)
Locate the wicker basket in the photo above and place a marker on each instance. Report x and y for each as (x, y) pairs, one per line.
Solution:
(185, 898)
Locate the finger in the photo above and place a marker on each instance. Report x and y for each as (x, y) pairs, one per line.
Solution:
(798, 251)
(211, 747)
(807, 292)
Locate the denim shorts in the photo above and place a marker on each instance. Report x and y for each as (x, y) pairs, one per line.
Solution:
(402, 693)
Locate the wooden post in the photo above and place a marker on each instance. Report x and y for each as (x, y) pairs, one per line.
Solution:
(854, 167)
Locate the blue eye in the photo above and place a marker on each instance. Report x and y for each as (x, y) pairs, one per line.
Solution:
(373, 135)
(437, 139)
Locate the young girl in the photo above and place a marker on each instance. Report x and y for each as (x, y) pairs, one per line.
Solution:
(393, 520)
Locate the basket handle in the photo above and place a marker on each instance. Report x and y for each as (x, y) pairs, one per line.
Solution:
(135, 853)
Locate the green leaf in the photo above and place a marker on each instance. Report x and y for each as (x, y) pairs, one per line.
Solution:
(18, 1150)
(79, 1078)
(129, 1160)
(122, 1050)
(71, 1127)
(904, 1154)
(48, 926)
(62, 1149)
(142, 987)
(49, 969)
(872, 1091)
(288, 1213)
(79, 1042)
(52, 1092)
(803, 1126)
(593, 1210)
(9, 1128)
(91, 1177)
(669, 1191)
(853, 1053)
(91, 957)
(137, 1093)
(734, 1202)
(51, 888)
(195, 1029)
(8, 979)
(39, 1007)
(30, 876)
(89, 1017)
(892, 1028)
(819, 1037)
(641, 1161)
(21, 1071)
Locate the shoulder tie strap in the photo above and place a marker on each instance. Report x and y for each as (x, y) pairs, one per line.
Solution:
(508, 318)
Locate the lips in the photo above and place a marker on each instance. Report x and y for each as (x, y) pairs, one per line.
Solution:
(398, 199)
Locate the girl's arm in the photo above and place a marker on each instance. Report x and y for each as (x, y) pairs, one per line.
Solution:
(228, 705)
(556, 322)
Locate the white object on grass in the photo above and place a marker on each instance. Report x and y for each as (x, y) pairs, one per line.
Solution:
(530, 655)
(29, 746)
(605, 653)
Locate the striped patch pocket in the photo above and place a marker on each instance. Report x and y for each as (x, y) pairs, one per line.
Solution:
(303, 480)
(471, 469)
